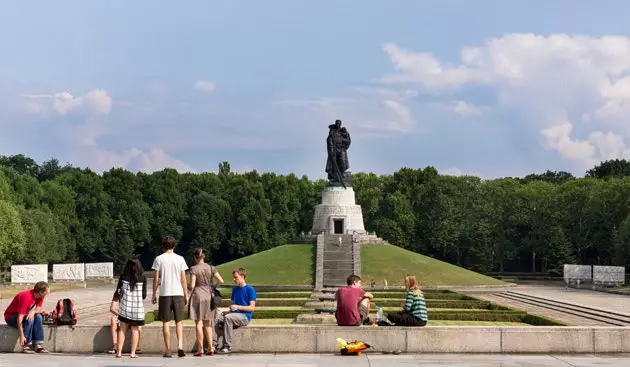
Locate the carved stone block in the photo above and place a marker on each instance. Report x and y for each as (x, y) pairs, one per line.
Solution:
(99, 270)
(68, 272)
(29, 273)
(574, 272)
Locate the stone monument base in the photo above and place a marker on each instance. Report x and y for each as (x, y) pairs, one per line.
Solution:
(339, 214)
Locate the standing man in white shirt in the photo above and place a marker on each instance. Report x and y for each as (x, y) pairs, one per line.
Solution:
(170, 271)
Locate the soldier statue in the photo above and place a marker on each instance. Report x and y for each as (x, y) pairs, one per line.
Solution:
(338, 142)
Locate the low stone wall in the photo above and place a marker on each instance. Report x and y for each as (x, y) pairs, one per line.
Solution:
(322, 339)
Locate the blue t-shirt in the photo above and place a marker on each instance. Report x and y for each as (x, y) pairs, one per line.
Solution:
(242, 296)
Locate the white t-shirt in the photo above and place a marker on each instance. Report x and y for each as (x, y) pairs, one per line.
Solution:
(170, 266)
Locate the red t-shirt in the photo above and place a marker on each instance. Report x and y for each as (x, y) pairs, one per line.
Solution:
(347, 313)
(22, 304)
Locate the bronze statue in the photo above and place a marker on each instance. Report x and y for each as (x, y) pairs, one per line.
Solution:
(338, 142)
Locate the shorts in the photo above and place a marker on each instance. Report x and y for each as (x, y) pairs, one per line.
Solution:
(168, 304)
(364, 317)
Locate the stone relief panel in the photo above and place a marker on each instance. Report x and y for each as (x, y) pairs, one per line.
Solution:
(29, 273)
(99, 270)
(68, 271)
(573, 272)
(609, 274)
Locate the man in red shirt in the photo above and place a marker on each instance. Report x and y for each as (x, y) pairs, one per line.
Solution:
(353, 303)
(24, 313)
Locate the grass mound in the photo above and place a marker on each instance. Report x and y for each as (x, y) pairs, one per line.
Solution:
(295, 265)
(282, 265)
(391, 263)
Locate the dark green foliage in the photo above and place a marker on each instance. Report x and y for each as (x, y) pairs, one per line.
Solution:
(537, 223)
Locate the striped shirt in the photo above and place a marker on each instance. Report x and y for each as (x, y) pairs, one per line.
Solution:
(415, 306)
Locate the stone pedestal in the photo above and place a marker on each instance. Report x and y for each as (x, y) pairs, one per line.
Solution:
(338, 213)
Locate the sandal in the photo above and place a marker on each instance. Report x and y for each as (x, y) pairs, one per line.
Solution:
(133, 356)
(198, 354)
(27, 350)
(209, 353)
(41, 350)
(167, 355)
(118, 356)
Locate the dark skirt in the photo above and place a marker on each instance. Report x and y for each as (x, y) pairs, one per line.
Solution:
(130, 322)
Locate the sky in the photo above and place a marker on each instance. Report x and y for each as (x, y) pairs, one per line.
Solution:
(491, 88)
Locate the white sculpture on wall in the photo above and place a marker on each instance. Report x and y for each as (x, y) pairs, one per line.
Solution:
(29, 273)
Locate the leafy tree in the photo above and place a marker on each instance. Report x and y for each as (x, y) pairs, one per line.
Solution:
(122, 248)
(556, 177)
(20, 164)
(612, 168)
(12, 239)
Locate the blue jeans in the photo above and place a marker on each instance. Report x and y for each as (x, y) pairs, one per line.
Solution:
(33, 330)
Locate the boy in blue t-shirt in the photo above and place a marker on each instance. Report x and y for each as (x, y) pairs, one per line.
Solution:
(241, 309)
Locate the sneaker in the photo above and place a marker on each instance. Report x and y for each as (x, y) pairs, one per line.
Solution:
(224, 350)
(181, 353)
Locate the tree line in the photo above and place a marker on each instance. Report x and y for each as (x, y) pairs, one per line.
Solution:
(52, 213)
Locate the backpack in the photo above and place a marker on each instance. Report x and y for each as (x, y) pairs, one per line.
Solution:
(64, 313)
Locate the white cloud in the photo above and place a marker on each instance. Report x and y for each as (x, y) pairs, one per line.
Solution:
(205, 86)
(95, 102)
(317, 102)
(464, 108)
(545, 79)
(133, 159)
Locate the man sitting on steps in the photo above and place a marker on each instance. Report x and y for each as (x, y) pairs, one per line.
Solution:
(353, 303)
(240, 314)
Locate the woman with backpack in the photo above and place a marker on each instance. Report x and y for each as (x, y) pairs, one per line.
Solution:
(200, 304)
(130, 294)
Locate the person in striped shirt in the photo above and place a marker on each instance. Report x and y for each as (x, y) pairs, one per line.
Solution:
(414, 312)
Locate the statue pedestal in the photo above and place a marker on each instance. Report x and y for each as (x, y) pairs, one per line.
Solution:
(338, 213)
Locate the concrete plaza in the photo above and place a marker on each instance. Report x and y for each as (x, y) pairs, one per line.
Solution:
(315, 360)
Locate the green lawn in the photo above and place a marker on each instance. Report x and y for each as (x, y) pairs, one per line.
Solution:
(294, 265)
(474, 323)
(391, 263)
(282, 265)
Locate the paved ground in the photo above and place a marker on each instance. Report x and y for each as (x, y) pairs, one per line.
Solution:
(555, 291)
(327, 360)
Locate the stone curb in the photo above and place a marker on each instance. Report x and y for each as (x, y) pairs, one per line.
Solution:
(322, 339)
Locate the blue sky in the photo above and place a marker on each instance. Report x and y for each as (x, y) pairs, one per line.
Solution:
(490, 88)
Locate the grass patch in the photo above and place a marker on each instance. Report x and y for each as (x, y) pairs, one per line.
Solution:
(270, 302)
(474, 323)
(282, 265)
(253, 322)
(427, 295)
(390, 262)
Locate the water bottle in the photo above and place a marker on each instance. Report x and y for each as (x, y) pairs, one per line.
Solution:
(379, 315)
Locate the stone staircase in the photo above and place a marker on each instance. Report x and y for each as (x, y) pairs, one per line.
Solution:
(339, 261)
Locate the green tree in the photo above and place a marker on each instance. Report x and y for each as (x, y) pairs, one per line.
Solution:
(612, 168)
(122, 248)
(45, 238)
(12, 239)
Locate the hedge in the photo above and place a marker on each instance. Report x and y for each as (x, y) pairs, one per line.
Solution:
(266, 302)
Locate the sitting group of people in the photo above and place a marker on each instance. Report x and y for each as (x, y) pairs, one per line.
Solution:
(353, 305)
